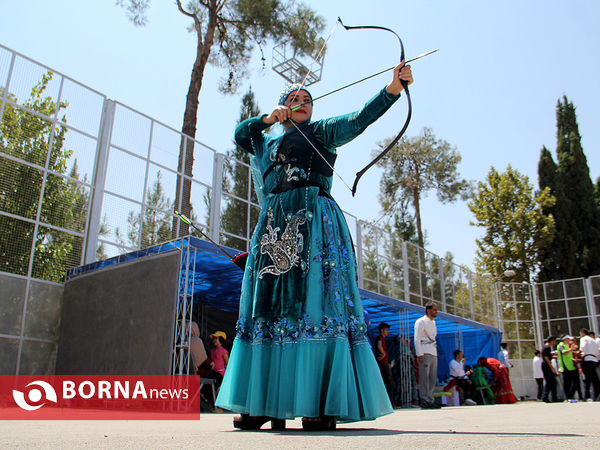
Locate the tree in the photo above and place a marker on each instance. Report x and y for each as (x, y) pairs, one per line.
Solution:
(154, 224)
(31, 138)
(227, 32)
(237, 182)
(557, 257)
(597, 192)
(581, 214)
(516, 228)
(418, 165)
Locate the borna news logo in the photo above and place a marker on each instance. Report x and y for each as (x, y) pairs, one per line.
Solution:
(35, 396)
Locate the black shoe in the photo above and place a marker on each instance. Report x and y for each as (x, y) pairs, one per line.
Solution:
(323, 423)
(246, 422)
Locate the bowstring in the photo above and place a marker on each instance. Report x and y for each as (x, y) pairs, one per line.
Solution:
(319, 153)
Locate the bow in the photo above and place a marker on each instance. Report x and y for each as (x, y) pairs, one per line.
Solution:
(361, 172)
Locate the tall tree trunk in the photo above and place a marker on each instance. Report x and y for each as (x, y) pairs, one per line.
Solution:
(190, 117)
(417, 205)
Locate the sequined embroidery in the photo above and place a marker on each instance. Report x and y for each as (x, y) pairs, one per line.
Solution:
(285, 252)
(284, 330)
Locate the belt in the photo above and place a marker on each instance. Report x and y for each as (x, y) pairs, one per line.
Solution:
(285, 186)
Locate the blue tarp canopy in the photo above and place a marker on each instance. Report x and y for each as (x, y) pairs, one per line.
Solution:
(217, 283)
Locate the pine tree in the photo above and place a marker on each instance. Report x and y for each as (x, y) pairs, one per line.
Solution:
(579, 204)
(237, 182)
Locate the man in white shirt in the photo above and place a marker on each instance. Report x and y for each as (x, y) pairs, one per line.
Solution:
(503, 355)
(457, 372)
(538, 374)
(426, 350)
(590, 351)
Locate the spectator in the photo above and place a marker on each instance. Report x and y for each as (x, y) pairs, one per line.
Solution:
(479, 380)
(219, 355)
(197, 347)
(538, 375)
(590, 351)
(566, 366)
(503, 356)
(457, 372)
(501, 386)
(381, 355)
(426, 350)
(549, 371)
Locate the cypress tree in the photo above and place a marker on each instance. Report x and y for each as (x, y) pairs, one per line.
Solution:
(579, 208)
(558, 256)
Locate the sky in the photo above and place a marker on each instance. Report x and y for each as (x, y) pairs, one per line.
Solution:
(491, 90)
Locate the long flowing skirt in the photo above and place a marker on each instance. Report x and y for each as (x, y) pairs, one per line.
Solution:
(502, 386)
(301, 348)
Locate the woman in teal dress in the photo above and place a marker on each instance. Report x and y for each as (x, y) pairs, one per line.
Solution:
(301, 348)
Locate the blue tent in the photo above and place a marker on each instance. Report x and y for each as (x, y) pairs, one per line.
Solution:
(216, 283)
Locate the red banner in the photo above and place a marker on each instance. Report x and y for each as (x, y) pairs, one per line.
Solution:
(98, 397)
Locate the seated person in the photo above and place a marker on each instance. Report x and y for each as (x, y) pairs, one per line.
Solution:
(479, 379)
(197, 347)
(460, 378)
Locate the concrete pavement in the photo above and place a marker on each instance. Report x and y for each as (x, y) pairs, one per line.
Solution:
(522, 425)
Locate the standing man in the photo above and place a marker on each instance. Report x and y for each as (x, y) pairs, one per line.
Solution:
(590, 353)
(567, 367)
(381, 355)
(426, 349)
(503, 355)
(538, 374)
(549, 371)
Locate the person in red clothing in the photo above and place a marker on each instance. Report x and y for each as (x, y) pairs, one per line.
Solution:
(381, 355)
(501, 386)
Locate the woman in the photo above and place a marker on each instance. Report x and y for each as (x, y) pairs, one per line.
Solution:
(301, 348)
(479, 379)
(501, 386)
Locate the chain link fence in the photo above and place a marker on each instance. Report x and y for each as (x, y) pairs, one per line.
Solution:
(84, 178)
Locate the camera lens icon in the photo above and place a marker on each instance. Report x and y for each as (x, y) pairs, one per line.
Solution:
(35, 395)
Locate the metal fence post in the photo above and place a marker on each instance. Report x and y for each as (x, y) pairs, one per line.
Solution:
(443, 283)
(470, 282)
(537, 315)
(497, 312)
(591, 305)
(406, 272)
(99, 179)
(359, 254)
(217, 194)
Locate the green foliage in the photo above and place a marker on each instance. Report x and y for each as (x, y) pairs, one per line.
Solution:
(577, 204)
(516, 228)
(229, 30)
(154, 225)
(237, 181)
(557, 257)
(416, 166)
(32, 138)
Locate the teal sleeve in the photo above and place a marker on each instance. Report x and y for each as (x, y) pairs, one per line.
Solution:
(249, 131)
(337, 131)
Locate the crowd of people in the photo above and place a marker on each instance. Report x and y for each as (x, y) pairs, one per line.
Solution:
(565, 365)
(403, 368)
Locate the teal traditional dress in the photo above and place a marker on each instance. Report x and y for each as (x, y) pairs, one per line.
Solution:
(301, 348)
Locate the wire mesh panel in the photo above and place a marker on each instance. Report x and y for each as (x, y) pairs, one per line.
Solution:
(403, 365)
(564, 306)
